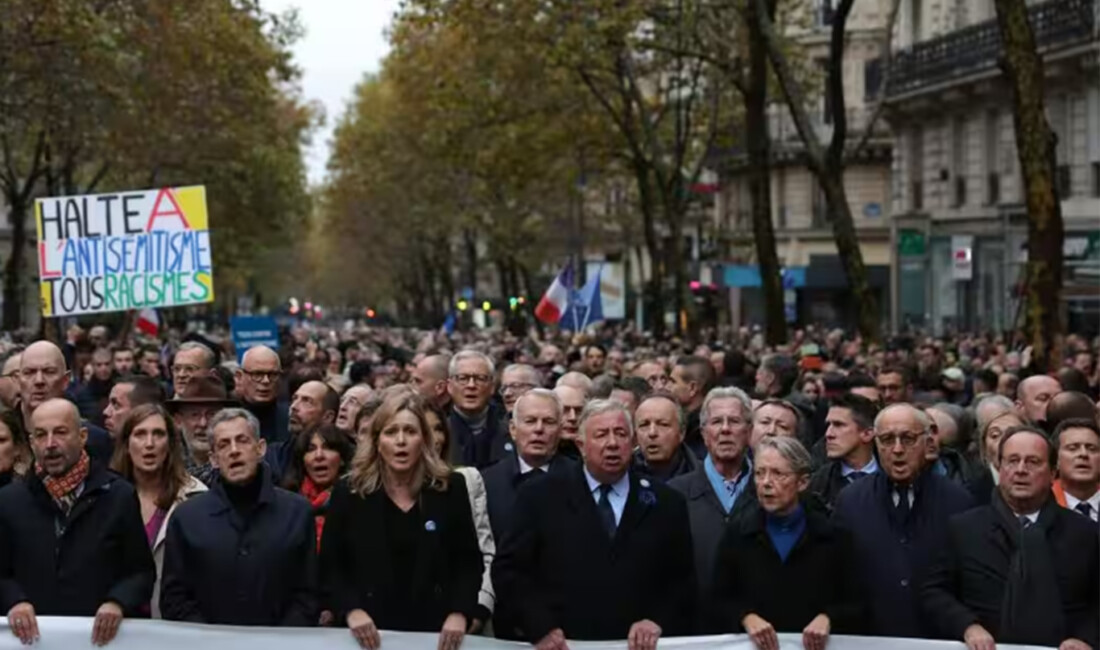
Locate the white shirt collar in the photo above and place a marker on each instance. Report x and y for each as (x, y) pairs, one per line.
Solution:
(618, 488)
(869, 468)
(1094, 501)
(524, 467)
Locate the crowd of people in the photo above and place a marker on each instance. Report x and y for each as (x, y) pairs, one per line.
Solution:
(594, 487)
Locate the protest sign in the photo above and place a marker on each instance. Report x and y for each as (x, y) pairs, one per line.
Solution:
(125, 250)
(63, 633)
(249, 331)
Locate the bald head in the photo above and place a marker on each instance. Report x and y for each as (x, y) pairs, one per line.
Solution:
(56, 435)
(429, 377)
(258, 376)
(1033, 395)
(42, 374)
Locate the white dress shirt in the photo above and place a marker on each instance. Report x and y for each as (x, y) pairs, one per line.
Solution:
(619, 491)
(1094, 501)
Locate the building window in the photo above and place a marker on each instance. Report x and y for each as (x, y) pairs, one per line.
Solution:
(819, 207)
(960, 191)
(1096, 180)
(1065, 181)
(916, 170)
(823, 13)
(993, 189)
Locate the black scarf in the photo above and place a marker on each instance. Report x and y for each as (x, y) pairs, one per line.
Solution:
(1031, 612)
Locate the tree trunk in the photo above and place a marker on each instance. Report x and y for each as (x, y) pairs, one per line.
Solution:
(1035, 147)
(13, 268)
(759, 148)
(654, 301)
(847, 247)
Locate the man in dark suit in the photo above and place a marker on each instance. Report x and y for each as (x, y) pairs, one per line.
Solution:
(479, 427)
(1021, 569)
(898, 520)
(716, 490)
(849, 446)
(599, 554)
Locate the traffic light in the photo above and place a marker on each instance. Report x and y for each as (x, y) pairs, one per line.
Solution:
(513, 302)
(462, 305)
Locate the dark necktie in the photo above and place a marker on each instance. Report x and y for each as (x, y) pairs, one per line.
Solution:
(856, 476)
(1084, 508)
(903, 503)
(1025, 523)
(607, 513)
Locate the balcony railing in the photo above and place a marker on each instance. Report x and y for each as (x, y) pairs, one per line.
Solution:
(976, 48)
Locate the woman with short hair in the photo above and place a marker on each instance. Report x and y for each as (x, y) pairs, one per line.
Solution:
(149, 454)
(783, 567)
(399, 550)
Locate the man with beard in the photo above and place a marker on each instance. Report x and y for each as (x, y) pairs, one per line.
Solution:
(313, 405)
(258, 389)
(123, 360)
(73, 543)
(429, 377)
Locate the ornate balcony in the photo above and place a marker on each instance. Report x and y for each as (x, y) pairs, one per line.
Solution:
(1057, 24)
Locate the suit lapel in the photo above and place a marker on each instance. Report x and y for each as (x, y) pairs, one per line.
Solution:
(638, 503)
(376, 511)
(583, 506)
(702, 489)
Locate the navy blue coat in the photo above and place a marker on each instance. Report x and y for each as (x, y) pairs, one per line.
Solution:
(102, 553)
(480, 451)
(895, 557)
(261, 570)
(562, 571)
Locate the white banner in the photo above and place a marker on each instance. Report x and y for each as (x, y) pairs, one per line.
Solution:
(58, 633)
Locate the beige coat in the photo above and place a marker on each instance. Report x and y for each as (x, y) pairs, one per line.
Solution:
(193, 487)
(480, 508)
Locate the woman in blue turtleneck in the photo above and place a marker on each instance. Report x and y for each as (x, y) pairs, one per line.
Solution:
(781, 568)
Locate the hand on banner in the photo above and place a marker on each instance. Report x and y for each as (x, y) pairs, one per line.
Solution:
(643, 635)
(364, 630)
(555, 640)
(23, 623)
(476, 626)
(977, 637)
(107, 620)
(816, 634)
(326, 619)
(761, 632)
(1074, 644)
(454, 630)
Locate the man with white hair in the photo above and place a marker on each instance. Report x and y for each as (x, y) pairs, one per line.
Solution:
(898, 520)
(479, 432)
(516, 380)
(578, 380)
(600, 553)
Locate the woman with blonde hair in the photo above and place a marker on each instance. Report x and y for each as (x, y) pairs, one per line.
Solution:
(399, 550)
(149, 454)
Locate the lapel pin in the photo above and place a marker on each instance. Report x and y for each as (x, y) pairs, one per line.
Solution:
(644, 483)
(508, 446)
(429, 526)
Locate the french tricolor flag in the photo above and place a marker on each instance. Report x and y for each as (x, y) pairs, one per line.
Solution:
(148, 322)
(556, 298)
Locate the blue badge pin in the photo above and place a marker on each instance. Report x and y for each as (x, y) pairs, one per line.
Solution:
(508, 446)
(429, 525)
(644, 483)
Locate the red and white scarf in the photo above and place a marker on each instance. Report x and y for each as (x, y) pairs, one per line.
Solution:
(63, 488)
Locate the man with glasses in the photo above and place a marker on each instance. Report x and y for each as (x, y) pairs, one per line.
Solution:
(192, 360)
(1021, 569)
(258, 389)
(43, 376)
(9, 377)
(515, 381)
(479, 432)
(898, 520)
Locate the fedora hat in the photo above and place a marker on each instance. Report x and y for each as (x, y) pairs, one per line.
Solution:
(208, 391)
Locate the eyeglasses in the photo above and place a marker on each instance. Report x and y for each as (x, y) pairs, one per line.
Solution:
(262, 375)
(907, 440)
(515, 388)
(479, 380)
(780, 477)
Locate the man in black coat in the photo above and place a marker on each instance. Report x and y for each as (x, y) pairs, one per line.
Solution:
(599, 554)
(479, 429)
(257, 386)
(1021, 569)
(716, 491)
(849, 446)
(71, 538)
(244, 552)
(662, 454)
(898, 520)
(536, 428)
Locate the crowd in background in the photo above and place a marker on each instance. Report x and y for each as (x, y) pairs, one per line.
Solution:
(601, 486)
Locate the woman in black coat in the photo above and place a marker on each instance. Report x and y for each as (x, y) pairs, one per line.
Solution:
(783, 567)
(399, 550)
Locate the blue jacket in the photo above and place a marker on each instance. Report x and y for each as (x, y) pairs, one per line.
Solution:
(259, 570)
(896, 556)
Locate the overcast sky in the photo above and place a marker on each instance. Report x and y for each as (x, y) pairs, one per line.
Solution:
(344, 39)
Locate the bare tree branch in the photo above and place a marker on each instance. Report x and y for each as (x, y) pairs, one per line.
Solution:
(884, 82)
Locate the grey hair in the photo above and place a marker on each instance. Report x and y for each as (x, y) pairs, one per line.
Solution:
(584, 380)
(544, 393)
(207, 353)
(602, 387)
(1003, 403)
(599, 407)
(530, 371)
(923, 418)
(466, 355)
(790, 449)
(726, 392)
(672, 400)
(228, 414)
